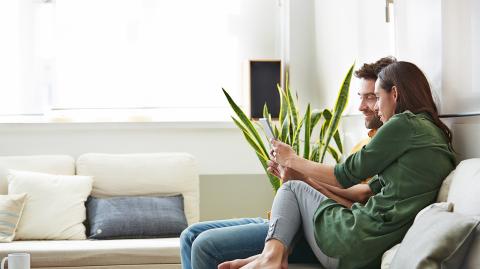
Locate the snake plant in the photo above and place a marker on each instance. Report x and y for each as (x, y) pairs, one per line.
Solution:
(288, 129)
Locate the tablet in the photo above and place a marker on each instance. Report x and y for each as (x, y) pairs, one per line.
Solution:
(267, 128)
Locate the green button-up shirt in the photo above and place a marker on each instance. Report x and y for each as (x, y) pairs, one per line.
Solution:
(408, 158)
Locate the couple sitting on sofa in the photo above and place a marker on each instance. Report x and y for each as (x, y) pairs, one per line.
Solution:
(344, 223)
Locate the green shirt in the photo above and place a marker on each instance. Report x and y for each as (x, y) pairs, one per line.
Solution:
(408, 159)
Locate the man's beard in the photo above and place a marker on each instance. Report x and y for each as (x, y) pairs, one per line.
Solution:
(374, 123)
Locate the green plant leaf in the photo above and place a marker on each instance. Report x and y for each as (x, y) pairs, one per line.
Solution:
(250, 139)
(340, 105)
(265, 111)
(292, 110)
(246, 122)
(315, 119)
(328, 116)
(285, 130)
(306, 142)
(282, 115)
(315, 152)
(334, 154)
(274, 181)
(277, 133)
(338, 141)
(296, 133)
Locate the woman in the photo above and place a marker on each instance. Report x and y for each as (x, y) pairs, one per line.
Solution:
(408, 158)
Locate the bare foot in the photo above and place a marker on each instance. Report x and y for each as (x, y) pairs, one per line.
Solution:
(263, 262)
(272, 257)
(235, 264)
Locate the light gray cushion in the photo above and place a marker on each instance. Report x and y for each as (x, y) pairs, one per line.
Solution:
(437, 239)
(472, 259)
(136, 217)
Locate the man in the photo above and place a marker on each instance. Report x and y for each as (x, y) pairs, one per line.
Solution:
(207, 244)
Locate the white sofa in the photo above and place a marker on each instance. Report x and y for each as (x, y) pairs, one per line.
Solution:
(114, 175)
(166, 173)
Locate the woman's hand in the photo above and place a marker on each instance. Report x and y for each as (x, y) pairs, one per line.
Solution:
(284, 173)
(282, 153)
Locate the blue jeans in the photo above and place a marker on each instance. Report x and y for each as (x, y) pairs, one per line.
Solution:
(207, 244)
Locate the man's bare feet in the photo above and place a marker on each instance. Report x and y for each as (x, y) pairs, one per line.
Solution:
(236, 264)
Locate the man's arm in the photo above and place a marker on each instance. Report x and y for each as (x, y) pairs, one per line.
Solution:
(358, 193)
(337, 198)
(317, 172)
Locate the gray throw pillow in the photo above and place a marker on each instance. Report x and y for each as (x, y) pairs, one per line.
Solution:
(135, 217)
(437, 239)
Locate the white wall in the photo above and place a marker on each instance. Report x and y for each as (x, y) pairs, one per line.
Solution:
(302, 50)
(347, 31)
(418, 38)
(465, 132)
(461, 56)
(219, 147)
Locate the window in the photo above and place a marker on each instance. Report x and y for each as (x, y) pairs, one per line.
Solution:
(170, 57)
(15, 58)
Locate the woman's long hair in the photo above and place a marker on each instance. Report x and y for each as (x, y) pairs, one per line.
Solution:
(413, 90)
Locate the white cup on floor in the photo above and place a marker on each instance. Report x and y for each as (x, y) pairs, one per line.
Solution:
(17, 261)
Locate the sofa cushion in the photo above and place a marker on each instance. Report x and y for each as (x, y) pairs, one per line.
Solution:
(150, 174)
(465, 182)
(136, 217)
(77, 253)
(445, 188)
(388, 256)
(54, 207)
(437, 239)
(53, 164)
(11, 207)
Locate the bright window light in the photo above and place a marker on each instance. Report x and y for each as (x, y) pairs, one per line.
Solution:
(150, 55)
(10, 58)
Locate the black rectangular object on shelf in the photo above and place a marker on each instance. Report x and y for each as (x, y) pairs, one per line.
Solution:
(264, 77)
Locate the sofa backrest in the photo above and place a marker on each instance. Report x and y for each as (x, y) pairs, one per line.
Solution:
(52, 164)
(144, 174)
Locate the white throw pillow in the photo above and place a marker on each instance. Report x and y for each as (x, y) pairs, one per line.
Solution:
(443, 205)
(464, 188)
(54, 207)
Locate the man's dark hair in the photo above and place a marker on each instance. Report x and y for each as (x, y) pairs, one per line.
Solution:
(370, 71)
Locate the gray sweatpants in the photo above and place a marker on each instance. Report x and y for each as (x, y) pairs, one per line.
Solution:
(294, 205)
